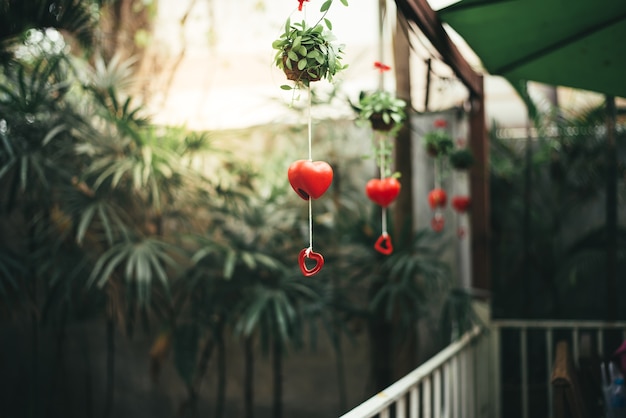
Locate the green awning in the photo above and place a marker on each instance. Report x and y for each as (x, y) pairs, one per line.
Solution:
(575, 43)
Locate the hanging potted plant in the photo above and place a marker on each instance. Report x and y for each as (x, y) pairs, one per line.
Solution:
(309, 53)
(461, 158)
(382, 109)
(438, 142)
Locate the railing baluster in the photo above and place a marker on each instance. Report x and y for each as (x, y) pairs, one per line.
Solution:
(437, 393)
(600, 336)
(524, 370)
(470, 363)
(575, 346)
(426, 397)
(549, 357)
(401, 407)
(447, 390)
(456, 388)
(415, 402)
(497, 378)
(384, 413)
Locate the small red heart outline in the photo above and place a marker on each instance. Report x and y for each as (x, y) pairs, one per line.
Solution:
(310, 179)
(437, 223)
(311, 255)
(383, 244)
(383, 191)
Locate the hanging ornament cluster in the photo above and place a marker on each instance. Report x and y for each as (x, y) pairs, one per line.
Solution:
(461, 159)
(440, 146)
(307, 53)
(385, 113)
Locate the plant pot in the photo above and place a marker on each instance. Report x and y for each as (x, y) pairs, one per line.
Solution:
(432, 150)
(461, 159)
(295, 74)
(378, 124)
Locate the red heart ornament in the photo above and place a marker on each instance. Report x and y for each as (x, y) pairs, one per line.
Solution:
(310, 179)
(461, 203)
(383, 244)
(312, 255)
(437, 198)
(383, 192)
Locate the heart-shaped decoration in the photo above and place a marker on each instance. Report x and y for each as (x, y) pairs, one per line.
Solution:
(461, 203)
(310, 179)
(437, 223)
(437, 198)
(383, 244)
(307, 253)
(383, 192)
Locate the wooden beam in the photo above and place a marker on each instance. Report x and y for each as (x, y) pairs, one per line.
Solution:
(426, 19)
(479, 190)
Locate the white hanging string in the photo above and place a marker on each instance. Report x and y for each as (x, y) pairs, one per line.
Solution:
(381, 138)
(310, 122)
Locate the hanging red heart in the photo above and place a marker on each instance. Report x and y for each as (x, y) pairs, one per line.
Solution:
(383, 192)
(461, 203)
(310, 179)
(383, 244)
(437, 198)
(312, 255)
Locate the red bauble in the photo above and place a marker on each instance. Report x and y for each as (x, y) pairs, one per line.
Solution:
(437, 198)
(310, 179)
(383, 192)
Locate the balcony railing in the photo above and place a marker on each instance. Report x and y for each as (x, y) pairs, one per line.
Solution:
(466, 379)
(521, 337)
(451, 384)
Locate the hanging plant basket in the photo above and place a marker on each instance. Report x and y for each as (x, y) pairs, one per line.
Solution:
(438, 143)
(461, 159)
(308, 53)
(379, 124)
(384, 111)
(290, 68)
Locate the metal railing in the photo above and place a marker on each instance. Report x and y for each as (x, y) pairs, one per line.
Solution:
(590, 334)
(453, 383)
(466, 378)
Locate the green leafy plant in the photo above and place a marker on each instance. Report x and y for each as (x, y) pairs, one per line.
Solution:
(382, 109)
(461, 158)
(309, 52)
(438, 143)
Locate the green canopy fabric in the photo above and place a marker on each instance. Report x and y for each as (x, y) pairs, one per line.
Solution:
(575, 43)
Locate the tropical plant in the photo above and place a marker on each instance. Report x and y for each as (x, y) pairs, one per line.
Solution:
(542, 200)
(77, 18)
(308, 52)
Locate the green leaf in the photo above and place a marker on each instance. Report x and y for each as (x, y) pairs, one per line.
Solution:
(328, 23)
(229, 264)
(344, 2)
(296, 42)
(326, 5)
(302, 64)
(286, 87)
